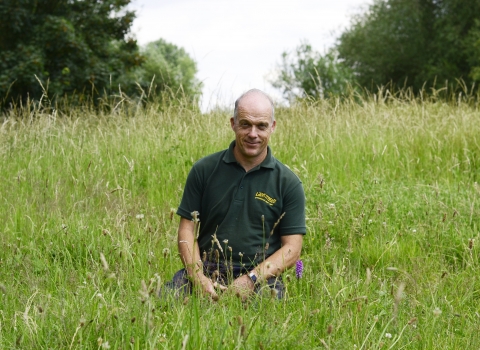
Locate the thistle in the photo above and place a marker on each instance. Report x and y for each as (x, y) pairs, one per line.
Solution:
(299, 268)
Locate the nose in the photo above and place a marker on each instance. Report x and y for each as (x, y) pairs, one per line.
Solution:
(253, 131)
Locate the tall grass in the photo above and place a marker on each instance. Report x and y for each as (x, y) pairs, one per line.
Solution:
(88, 235)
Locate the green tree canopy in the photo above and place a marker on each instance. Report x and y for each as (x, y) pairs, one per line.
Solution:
(414, 43)
(167, 70)
(406, 43)
(306, 73)
(70, 45)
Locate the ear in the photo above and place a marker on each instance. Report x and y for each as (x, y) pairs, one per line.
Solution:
(274, 125)
(232, 123)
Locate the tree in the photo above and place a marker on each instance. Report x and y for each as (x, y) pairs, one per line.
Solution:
(306, 73)
(167, 69)
(413, 43)
(69, 45)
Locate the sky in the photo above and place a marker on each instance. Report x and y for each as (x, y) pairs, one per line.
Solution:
(238, 45)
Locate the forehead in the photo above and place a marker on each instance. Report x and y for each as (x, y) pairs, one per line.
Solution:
(255, 107)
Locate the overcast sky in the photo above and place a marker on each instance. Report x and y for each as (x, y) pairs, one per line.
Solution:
(238, 44)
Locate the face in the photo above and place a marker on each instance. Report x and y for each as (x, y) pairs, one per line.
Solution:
(252, 128)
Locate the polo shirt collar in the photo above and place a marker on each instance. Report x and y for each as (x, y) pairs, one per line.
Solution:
(268, 162)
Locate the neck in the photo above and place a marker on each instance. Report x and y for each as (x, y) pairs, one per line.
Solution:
(249, 163)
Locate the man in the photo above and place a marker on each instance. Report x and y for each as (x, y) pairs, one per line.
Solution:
(248, 209)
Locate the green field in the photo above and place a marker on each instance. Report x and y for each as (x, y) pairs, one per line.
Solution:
(88, 231)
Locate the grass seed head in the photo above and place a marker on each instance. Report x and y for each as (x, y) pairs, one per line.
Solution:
(368, 278)
(242, 330)
(166, 252)
(104, 262)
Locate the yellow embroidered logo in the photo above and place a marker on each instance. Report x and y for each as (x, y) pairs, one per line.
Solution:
(265, 197)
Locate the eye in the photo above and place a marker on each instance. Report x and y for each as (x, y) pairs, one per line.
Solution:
(263, 127)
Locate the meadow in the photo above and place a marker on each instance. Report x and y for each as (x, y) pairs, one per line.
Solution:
(88, 228)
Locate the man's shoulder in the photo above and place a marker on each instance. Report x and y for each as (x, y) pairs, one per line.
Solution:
(285, 171)
(210, 161)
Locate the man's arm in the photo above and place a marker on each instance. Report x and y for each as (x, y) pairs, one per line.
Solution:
(190, 255)
(274, 265)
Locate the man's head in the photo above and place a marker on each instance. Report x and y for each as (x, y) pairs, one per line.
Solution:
(253, 91)
(253, 122)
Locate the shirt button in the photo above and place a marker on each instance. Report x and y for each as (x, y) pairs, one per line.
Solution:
(241, 187)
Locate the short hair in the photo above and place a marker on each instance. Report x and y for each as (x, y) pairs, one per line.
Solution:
(235, 110)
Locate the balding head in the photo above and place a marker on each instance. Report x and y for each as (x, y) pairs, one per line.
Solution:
(256, 95)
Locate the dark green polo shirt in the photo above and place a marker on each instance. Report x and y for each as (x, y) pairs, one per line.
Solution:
(242, 207)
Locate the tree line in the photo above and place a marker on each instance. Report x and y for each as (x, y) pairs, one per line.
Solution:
(84, 49)
(416, 44)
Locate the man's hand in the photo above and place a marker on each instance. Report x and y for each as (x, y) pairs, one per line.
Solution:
(207, 286)
(242, 287)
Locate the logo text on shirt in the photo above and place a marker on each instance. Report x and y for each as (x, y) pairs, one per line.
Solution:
(265, 197)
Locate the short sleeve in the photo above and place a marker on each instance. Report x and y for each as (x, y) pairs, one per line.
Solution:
(294, 208)
(192, 195)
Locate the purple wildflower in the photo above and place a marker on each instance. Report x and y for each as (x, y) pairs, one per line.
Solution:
(299, 268)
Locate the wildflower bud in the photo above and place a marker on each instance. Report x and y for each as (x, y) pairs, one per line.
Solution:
(299, 268)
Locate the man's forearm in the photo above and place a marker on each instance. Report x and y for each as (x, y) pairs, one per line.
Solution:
(190, 255)
(281, 260)
(188, 249)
